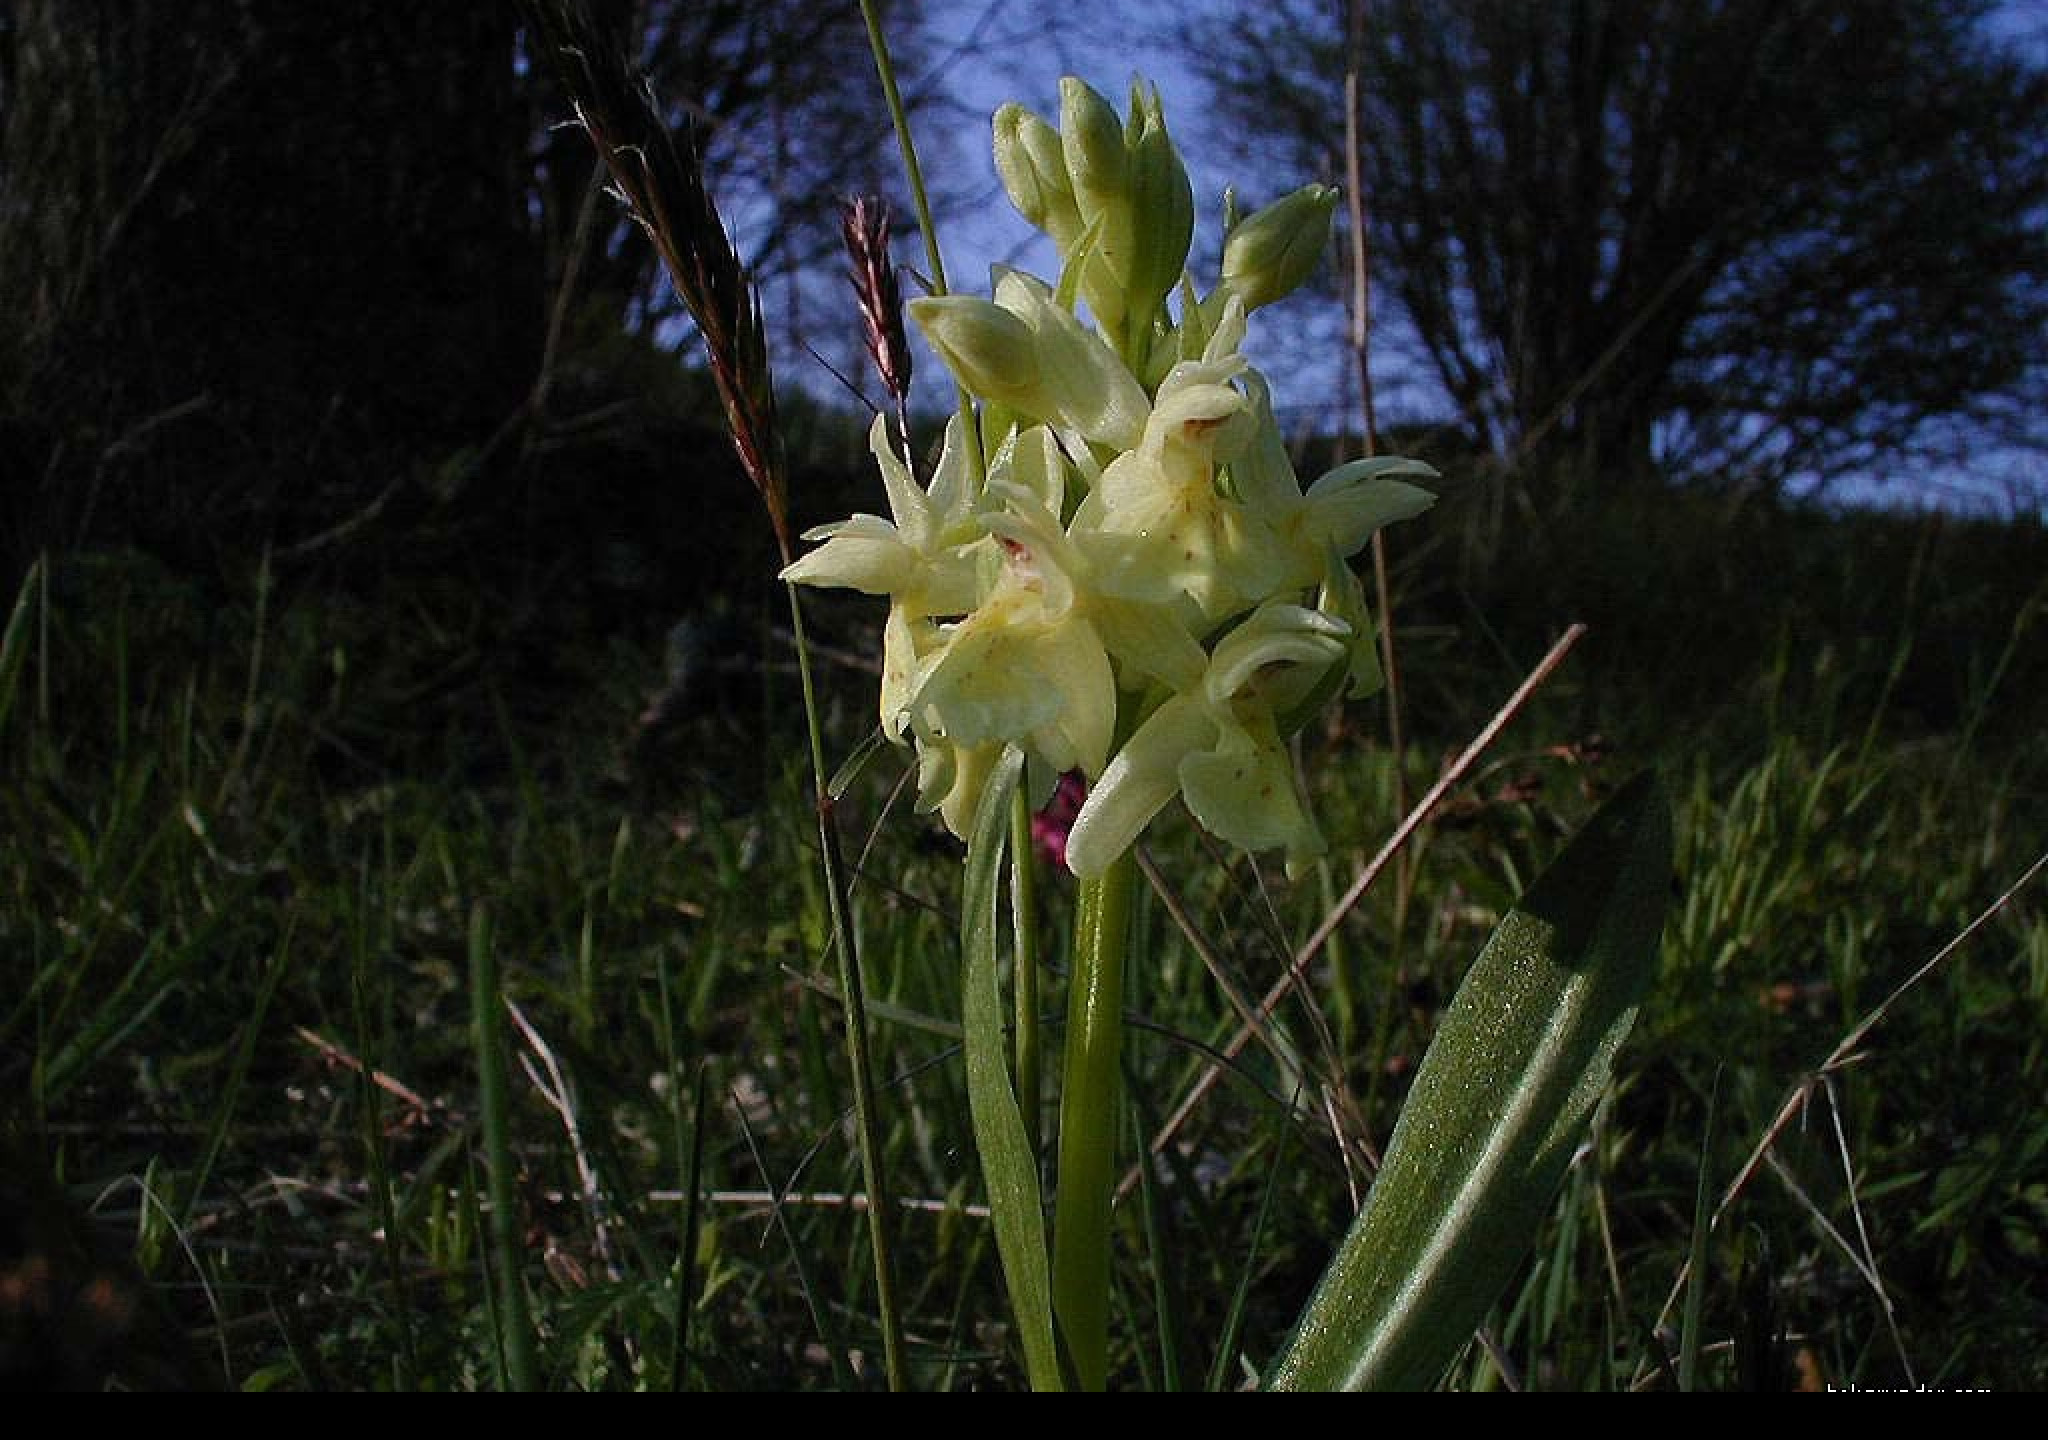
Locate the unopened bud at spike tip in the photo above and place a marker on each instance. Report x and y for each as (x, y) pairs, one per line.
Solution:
(1093, 141)
(1274, 251)
(1163, 202)
(1033, 168)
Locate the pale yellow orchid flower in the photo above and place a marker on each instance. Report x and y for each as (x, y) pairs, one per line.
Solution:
(1320, 530)
(925, 559)
(1218, 746)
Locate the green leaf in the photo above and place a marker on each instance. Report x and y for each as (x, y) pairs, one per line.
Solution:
(14, 642)
(1008, 1166)
(1518, 1065)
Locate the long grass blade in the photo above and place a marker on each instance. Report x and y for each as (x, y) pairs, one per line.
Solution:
(238, 1073)
(14, 643)
(515, 1323)
(1702, 1239)
(1240, 1298)
(1008, 1165)
(1168, 1303)
(821, 1314)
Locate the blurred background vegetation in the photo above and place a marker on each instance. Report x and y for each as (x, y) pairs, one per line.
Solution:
(380, 558)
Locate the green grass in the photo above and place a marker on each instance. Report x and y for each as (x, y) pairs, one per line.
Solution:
(244, 831)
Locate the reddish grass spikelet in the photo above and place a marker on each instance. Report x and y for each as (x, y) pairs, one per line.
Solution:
(658, 171)
(864, 221)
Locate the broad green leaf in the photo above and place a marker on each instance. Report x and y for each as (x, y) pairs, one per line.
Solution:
(1007, 1165)
(1509, 1084)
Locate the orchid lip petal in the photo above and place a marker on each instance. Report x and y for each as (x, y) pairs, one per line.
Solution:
(1245, 794)
(1136, 784)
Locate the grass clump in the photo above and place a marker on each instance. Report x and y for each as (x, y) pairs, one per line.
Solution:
(237, 922)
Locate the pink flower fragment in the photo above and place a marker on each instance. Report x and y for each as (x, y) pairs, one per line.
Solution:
(1049, 826)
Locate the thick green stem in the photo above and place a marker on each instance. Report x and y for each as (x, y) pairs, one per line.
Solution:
(854, 998)
(1089, 1110)
(1024, 925)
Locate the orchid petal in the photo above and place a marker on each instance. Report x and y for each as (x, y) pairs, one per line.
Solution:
(1243, 791)
(1276, 637)
(1075, 664)
(1082, 382)
(904, 642)
(1346, 510)
(1030, 460)
(1136, 785)
(1343, 597)
(1150, 642)
(907, 500)
(865, 553)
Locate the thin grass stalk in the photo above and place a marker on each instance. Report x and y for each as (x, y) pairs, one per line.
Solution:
(899, 117)
(14, 642)
(1689, 1335)
(1088, 1119)
(238, 1074)
(663, 183)
(515, 1323)
(1168, 1301)
(913, 171)
(405, 1363)
(821, 1313)
(689, 1155)
(1361, 352)
(851, 987)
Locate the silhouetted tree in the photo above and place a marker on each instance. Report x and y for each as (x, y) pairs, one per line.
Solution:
(785, 104)
(256, 255)
(1743, 240)
(265, 264)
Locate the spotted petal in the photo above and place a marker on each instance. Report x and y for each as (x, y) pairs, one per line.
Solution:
(1138, 783)
(1243, 790)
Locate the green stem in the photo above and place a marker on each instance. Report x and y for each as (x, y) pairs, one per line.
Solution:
(1088, 1120)
(854, 998)
(515, 1325)
(900, 118)
(1024, 922)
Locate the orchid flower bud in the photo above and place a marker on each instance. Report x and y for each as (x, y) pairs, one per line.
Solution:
(1274, 251)
(1092, 139)
(988, 349)
(1098, 161)
(1163, 201)
(1033, 168)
